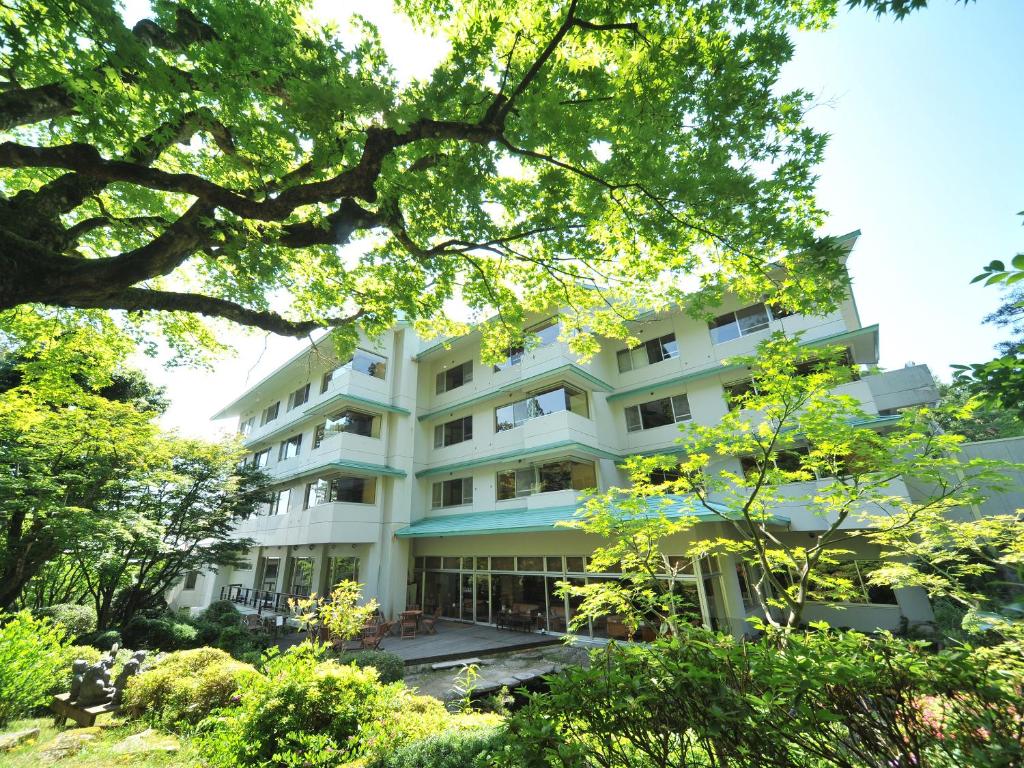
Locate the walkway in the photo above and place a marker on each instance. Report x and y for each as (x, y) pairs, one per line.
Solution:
(455, 640)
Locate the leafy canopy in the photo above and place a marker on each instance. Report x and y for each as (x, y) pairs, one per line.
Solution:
(213, 159)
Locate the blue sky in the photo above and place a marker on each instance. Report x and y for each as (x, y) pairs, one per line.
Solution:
(926, 118)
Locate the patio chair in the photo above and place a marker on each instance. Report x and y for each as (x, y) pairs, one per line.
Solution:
(253, 623)
(371, 642)
(429, 623)
(408, 622)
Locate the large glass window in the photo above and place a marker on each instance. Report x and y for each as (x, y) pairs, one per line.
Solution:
(453, 378)
(325, 381)
(552, 476)
(369, 363)
(648, 353)
(453, 493)
(279, 502)
(299, 397)
(270, 413)
(289, 447)
(559, 398)
(246, 426)
(744, 321)
(302, 576)
(343, 488)
(271, 568)
(341, 569)
(261, 459)
(356, 422)
(657, 413)
(452, 432)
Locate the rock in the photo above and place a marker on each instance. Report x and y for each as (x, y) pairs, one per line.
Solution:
(9, 741)
(148, 741)
(457, 664)
(511, 682)
(68, 743)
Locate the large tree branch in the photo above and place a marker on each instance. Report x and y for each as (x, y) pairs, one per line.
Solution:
(145, 300)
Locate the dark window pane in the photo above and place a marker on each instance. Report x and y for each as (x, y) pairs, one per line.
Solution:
(656, 413)
(502, 564)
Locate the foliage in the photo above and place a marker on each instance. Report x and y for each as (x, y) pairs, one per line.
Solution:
(240, 642)
(793, 425)
(342, 614)
(165, 633)
(822, 699)
(301, 707)
(454, 748)
(390, 666)
(222, 613)
(105, 640)
(89, 653)
(77, 620)
(975, 418)
(182, 688)
(219, 152)
(32, 652)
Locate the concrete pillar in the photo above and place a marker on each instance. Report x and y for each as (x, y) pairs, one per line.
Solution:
(729, 598)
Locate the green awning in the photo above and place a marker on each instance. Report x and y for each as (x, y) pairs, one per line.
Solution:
(534, 520)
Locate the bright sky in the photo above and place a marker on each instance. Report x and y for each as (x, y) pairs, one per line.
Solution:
(925, 159)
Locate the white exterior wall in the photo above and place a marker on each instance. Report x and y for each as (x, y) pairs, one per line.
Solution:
(405, 447)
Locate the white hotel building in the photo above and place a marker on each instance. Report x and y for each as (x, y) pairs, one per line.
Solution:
(436, 480)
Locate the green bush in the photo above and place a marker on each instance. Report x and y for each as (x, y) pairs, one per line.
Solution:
(825, 699)
(222, 612)
(77, 620)
(239, 642)
(456, 748)
(184, 687)
(31, 654)
(389, 665)
(302, 711)
(104, 641)
(164, 634)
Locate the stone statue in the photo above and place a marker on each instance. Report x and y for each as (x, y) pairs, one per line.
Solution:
(96, 687)
(130, 669)
(78, 667)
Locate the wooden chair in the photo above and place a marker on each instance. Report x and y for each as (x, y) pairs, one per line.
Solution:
(372, 642)
(253, 623)
(429, 623)
(408, 621)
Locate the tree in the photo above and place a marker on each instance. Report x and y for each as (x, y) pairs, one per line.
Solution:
(790, 426)
(219, 153)
(976, 418)
(174, 518)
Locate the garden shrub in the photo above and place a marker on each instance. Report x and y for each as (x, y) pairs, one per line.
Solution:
(827, 699)
(303, 710)
(104, 641)
(389, 665)
(454, 748)
(164, 634)
(77, 620)
(219, 616)
(32, 651)
(239, 642)
(182, 688)
(68, 656)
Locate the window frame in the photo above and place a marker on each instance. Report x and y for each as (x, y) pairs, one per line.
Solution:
(772, 312)
(375, 360)
(256, 458)
(282, 451)
(519, 410)
(678, 414)
(299, 397)
(534, 482)
(324, 490)
(665, 346)
(266, 418)
(441, 380)
(438, 492)
(441, 432)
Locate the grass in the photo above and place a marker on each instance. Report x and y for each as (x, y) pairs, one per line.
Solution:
(98, 753)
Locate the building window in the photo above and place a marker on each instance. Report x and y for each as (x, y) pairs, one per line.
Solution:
(341, 569)
(744, 321)
(369, 364)
(325, 382)
(452, 493)
(190, 580)
(270, 413)
(547, 332)
(261, 459)
(246, 426)
(453, 378)
(298, 397)
(354, 422)
(657, 413)
(279, 502)
(289, 447)
(343, 488)
(848, 583)
(544, 478)
(736, 391)
(271, 569)
(458, 431)
(560, 398)
(648, 353)
(302, 576)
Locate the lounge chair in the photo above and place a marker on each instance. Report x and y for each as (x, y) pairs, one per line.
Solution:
(429, 623)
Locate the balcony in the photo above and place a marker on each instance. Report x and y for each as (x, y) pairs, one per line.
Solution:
(320, 524)
(902, 388)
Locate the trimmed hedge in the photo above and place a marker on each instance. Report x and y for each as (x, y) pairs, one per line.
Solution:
(77, 620)
(456, 748)
(164, 634)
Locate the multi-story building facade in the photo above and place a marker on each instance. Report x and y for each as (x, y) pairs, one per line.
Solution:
(440, 481)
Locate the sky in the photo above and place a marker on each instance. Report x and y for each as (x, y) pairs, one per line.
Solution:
(925, 158)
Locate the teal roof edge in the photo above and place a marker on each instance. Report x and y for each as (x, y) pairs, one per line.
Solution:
(518, 454)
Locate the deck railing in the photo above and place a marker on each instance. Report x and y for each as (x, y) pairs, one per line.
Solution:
(263, 600)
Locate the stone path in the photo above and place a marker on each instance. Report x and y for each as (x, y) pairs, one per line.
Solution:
(509, 669)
